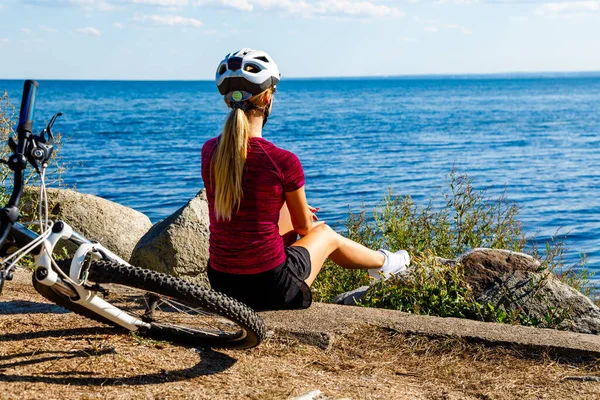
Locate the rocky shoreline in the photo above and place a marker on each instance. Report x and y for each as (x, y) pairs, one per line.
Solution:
(178, 245)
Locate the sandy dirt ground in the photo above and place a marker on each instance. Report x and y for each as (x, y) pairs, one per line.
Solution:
(48, 353)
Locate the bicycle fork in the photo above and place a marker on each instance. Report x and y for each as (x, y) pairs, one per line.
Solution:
(77, 293)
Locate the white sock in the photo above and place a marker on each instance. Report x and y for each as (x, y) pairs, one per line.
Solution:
(395, 263)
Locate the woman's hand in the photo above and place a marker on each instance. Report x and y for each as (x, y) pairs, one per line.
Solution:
(302, 215)
(313, 211)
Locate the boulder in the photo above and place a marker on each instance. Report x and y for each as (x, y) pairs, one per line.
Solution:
(116, 227)
(518, 283)
(544, 300)
(483, 267)
(178, 245)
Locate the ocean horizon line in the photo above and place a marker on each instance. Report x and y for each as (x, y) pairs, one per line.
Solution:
(442, 76)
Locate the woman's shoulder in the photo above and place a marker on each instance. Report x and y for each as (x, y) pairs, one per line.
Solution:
(210, 144)
(271, 148)
(283, 160)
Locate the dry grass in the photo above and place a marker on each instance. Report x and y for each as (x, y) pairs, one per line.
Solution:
(46, 354)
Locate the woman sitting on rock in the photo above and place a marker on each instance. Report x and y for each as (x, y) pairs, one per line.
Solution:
(256, 199)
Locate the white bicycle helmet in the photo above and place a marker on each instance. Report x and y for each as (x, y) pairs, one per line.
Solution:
(247, 71)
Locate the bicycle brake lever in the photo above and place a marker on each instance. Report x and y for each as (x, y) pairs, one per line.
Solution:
(42, 147)
(48, 129)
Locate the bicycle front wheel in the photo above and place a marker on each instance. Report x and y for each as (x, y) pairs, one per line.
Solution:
(176, 310)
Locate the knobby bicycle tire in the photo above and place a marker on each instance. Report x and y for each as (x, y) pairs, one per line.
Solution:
(249, 328)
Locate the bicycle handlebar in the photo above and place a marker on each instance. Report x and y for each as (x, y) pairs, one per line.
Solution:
(27, 107)
(17, 161)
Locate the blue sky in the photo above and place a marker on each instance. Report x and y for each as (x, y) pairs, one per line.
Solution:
(186, 39)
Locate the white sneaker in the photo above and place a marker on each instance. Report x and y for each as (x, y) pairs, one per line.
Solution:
(394, 264)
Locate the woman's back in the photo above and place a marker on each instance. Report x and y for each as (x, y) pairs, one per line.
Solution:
(250, 242)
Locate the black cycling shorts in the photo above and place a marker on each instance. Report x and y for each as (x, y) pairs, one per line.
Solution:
(282, 287)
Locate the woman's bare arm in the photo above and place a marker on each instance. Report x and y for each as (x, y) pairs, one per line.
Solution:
(300, 213)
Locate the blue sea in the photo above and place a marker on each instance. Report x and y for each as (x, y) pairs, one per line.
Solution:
(538, 137)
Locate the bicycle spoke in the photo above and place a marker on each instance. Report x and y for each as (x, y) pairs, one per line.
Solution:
(166, 312)
(198, 312)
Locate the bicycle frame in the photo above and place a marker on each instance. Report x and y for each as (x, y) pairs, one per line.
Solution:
(36, 150)
(45, 274)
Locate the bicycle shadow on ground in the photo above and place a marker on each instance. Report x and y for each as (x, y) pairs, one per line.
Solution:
(211, 362)
(29, 307)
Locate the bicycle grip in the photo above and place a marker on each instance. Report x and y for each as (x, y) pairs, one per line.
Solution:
(27, 106)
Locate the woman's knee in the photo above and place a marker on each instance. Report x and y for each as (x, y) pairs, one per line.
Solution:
(326, 232)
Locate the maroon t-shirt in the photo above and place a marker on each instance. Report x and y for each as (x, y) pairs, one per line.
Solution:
(250, 242)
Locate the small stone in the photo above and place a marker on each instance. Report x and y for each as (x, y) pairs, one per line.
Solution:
(352, 297)
(312, 395)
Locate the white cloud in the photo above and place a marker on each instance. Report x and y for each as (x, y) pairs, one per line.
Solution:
(172, 20)
(47, 29)
(99, 5)
(459, 28)
(162, 3)
(568, 8)
(26, 31)
(243, 5)
(305, 8)
(3, 40)
(88, 31)
(420, 20)
(118, 25)
(518, 18)
(434, 25)
(461, 2)
(319, 8)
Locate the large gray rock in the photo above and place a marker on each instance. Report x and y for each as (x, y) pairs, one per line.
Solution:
(116, 227)
(178, 245)
(545, 300)
(517, 283)
(484, 267)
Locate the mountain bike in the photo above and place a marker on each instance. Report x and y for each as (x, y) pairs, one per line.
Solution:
(95, 282)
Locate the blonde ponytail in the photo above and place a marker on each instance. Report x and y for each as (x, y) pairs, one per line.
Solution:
(229, 159)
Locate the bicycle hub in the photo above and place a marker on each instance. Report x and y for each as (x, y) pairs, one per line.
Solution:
(41, 274)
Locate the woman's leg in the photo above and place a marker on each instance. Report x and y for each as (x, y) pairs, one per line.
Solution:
(323, 242)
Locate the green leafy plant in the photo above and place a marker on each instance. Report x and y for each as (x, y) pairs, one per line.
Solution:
(461, 219)
(7, 125)
(431, 289)
(54, 175)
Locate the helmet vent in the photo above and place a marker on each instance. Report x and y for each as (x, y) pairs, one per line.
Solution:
(222, 69)
(252, 68)
(262, 58)
(234, 63)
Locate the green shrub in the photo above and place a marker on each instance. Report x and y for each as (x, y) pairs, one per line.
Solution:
(8, 121)
(433, 289)
(465, 218)
(7, 125)
(54, 174)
